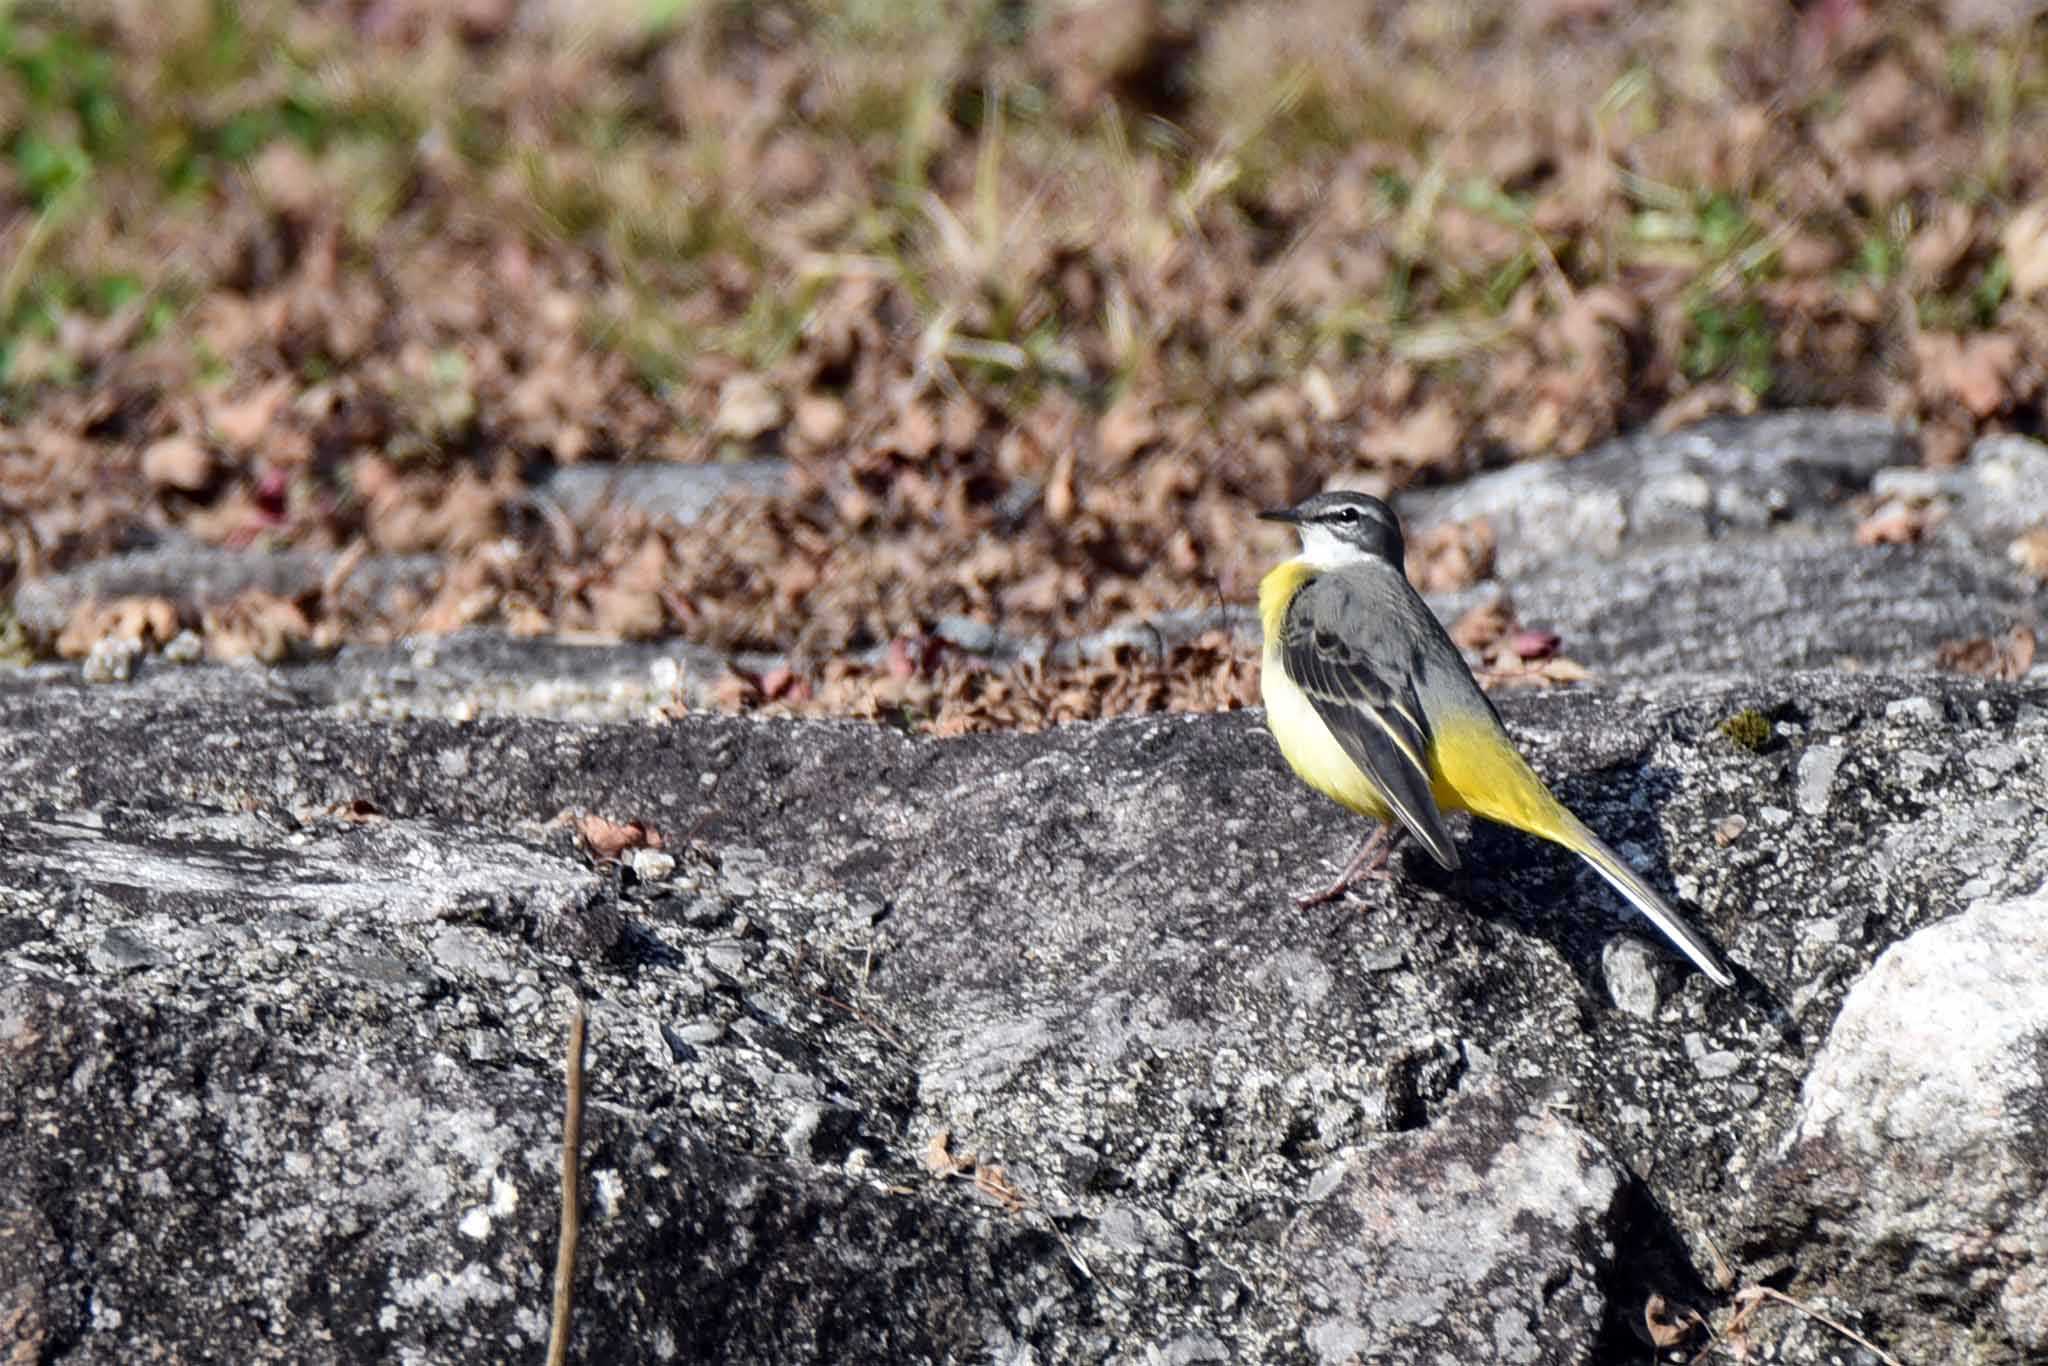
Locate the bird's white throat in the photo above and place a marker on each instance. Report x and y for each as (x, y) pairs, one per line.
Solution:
(1323, 549)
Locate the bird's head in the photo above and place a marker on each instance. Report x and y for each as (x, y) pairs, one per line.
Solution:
(1339, 529)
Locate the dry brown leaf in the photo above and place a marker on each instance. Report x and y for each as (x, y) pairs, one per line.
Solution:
(961, 423)
(1809, 253)
(1938, 248)
(1976, 371)
(1561, 672)
(820, 420)
(1061, 501)
(2029, 550)
(151, 621)
(1703, 401)
(359, 811)
(1484, 624)
(1127, 428)
(256, 625)
(1666, 1329)
(608, 839)
(784, 684)
(735, 691)
(2008, 658)
(2024, 239)
(993, 1183)
(1428, 436)
(1321, 395)
(1898, 521)
(940, 1159)
(178, 462)
(1452, 555)
(1090, 48)
(747, 406)
(244, 423)
(627, 613)
(915, 434)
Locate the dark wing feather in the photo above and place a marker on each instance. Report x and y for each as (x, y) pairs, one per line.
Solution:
(1370, 708)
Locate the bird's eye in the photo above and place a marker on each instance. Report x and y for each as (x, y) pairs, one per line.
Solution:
(1347, 514)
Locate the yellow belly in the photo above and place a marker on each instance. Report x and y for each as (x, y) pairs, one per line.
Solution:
(1310, 749)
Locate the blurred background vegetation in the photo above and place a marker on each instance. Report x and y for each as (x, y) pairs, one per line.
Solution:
(1038, 300)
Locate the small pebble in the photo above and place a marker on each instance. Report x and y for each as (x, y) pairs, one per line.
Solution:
(651, 865)
(727, 958)
(1817, 770)
(967, 634)
(1631, 970)
(1914, 767)
(111, 660)
(1918, 711)
(1995, 758)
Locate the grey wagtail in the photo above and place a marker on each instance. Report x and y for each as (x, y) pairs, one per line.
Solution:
(1374, 707)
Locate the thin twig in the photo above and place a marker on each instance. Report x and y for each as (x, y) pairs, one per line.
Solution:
(1756, 1294)
(863, 1016)
(572, 1152)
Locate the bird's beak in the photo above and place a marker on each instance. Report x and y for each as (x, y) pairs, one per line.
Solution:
(1287, 515)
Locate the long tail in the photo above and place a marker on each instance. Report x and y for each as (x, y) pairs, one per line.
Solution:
(1608, 864)
(1479, 769)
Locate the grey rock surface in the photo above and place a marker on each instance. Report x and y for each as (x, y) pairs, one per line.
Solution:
(199, 577)
(1787, 473)
(1730, 548)
(1429, 1244)
(285, 1073)
(682, 492)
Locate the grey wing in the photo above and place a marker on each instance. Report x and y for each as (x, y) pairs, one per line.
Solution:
(1366, 697)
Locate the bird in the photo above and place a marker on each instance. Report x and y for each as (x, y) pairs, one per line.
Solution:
(1374, 706)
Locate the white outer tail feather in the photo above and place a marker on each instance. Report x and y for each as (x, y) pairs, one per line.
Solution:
(1623, 878)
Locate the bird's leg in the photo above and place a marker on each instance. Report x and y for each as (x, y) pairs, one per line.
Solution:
(1371, 862)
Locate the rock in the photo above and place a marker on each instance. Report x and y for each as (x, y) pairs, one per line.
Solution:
(1817, 769)
(294, 968)
(1917, 1153)
(1728, 547)
(1767, 606)
(110, 660)
(1489, 1237)
(2004, 488)
(1725, 548)
(679, 491)
(1630, 967)
(1787, 474)
(197, 578)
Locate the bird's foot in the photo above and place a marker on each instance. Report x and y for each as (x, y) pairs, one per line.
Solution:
(1370, 865)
